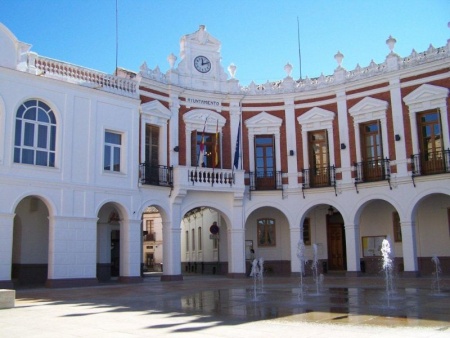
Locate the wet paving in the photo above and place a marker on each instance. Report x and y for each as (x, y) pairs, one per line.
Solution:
(214, 306)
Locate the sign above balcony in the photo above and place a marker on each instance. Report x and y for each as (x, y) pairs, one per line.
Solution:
(192, 101)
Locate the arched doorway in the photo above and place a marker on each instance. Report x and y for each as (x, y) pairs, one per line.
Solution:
(204, 240)
(108, 243)
(30, 242)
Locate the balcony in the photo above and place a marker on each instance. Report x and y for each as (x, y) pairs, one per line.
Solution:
(431, 163)
(373, 171)
(319, 177)
(265, 180)
(156, 175)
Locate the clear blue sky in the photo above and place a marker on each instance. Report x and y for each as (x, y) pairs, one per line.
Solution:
(258, 36)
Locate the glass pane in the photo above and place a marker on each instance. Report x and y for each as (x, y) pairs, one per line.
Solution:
(30, 103)
(51, 161)
(43, 106)
(17, 155)
(112, 138)
(42, 136)
(30, 114)
(269, 152)
(52, 138)
(41, 158)
(259, 152)
(52, 117)
(18, 132)
(20, 111)
(116, 159)
(107, 159)
(28, 156)
(42, 116)
(28, 137)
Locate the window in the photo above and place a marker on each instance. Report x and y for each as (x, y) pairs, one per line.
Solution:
(430, 142)
(199, 233)
(35, 134)
(152, 154)
(150, 228)
(193, 239)
(397, 227)
(187, 240)
(113, 143)
(265, 162)
(266, 232)
(371, 150)
(318, 158)
(206, 150)
(306, 232)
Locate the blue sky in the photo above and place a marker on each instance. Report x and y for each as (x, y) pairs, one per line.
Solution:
(258, 36)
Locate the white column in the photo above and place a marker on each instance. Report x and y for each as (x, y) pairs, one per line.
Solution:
(399, 128)
(236, 239)
(171, 250)
(295, 238)
(409, 246)
(130, 248)
(6, 243)
(291, 137)
(352, 243)
(172, 245)
(236, 252)
(344, 137)
(173, 124)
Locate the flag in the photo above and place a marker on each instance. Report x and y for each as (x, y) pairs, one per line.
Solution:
(216, 147)
(236, 151)
(201, 155)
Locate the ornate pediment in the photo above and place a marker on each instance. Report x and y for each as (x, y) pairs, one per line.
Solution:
(263, 120)
(316, 115)
(368, 105)
(424, 93)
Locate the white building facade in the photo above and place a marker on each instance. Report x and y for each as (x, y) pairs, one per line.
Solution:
(341, 161)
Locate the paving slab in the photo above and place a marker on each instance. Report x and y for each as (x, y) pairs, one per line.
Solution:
(215, 306)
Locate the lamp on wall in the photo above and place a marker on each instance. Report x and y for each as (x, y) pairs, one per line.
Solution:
(330, 211)
(343, 146)
(176, 149)
(291, 152)
(397, 137)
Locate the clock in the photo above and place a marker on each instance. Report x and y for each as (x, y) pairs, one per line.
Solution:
(202, 64)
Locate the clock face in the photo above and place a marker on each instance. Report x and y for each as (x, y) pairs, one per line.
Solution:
(202, 64)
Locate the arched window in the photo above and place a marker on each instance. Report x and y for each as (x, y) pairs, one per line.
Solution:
(35, 138)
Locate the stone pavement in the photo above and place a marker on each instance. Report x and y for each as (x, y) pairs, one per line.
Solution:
(215, 306)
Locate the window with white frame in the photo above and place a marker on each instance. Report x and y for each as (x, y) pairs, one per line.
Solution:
(112, 152)
(429, 128)
(35, 135)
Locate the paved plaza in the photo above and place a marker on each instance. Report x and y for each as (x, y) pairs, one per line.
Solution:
(215, 306)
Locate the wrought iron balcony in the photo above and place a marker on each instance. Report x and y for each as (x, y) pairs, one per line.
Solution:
(373, 171)
(430, 163)
(265, 180)
(156, 175)
(319, 177)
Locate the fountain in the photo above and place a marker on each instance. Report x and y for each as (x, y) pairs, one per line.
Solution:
(436, 285)
(261, 274)
(301, 257)
(255, 274)
(318, 279)
(387, 267)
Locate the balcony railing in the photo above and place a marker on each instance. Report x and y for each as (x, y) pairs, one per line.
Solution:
(156, 175)
(430, 163)
(265, 180)
(373, 171)
(319, 177)
(214, 177)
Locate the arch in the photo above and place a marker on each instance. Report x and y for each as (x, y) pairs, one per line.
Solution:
(31, 241)
(209, 204)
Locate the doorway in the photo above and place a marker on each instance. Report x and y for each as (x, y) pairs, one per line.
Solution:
(337, 255)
